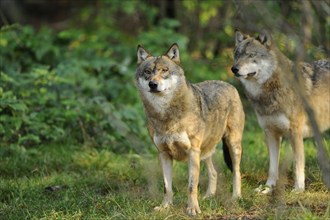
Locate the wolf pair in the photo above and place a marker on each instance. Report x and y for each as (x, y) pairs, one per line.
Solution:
(186, 121)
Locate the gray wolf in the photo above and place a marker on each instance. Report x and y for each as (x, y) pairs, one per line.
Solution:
(186, 121)
(267, 76)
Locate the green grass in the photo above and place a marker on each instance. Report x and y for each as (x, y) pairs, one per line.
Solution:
(97, 184)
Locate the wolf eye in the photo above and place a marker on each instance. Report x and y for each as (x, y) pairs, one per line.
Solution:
(147, 72)
(165, 74)
(251, 55)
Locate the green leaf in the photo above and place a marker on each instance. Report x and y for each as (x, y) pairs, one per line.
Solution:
(18, 107)
(29, 138)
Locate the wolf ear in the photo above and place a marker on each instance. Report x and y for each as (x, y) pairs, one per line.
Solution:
(239, 37)
(173, 53)
(265, 38)
(142, 54)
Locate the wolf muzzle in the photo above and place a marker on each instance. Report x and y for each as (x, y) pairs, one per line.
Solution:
(235, 70)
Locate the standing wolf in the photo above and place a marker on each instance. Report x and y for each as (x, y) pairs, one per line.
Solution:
(186, 121)
(267, 76)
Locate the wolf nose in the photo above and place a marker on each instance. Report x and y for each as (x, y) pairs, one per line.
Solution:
(235, 70)
(153, 85)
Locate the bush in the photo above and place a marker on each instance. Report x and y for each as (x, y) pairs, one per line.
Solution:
(67, 86)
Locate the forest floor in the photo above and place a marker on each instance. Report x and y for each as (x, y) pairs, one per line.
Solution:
(68, 181)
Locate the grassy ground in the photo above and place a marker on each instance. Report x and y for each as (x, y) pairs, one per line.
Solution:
(66, 181)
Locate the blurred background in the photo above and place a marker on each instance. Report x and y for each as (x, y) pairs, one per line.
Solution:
(67, 67)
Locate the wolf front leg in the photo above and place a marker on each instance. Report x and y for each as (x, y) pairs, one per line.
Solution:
(166, 164)
(194, 168)
(273, 144)
(297, 144)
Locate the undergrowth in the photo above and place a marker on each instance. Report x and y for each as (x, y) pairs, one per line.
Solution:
(68, 181)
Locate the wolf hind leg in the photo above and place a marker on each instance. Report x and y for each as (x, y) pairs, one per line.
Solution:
(233, 141)
(213, 176)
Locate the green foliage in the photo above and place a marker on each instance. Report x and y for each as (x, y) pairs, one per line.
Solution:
(68, 86)
(207, 9)
(162, 36)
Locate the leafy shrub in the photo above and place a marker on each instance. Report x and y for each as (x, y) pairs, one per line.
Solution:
(66, 86)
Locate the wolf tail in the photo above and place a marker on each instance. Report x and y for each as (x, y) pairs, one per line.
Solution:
(226, 154)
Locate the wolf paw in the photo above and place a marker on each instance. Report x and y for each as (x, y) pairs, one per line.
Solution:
(208, 195)
(236, 196)
(193, 211)
(264, 189)
(298, 190)
(298, 187)
(162, 207)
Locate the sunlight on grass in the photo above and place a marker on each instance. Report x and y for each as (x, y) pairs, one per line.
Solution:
(72, 182)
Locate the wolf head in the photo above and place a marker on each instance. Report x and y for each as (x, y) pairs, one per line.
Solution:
(159, 75)
(254, 58)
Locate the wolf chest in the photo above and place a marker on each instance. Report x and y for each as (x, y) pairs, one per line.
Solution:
(176, 144)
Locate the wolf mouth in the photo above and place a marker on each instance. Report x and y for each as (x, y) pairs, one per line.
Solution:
(251, 74)
(154, 91)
